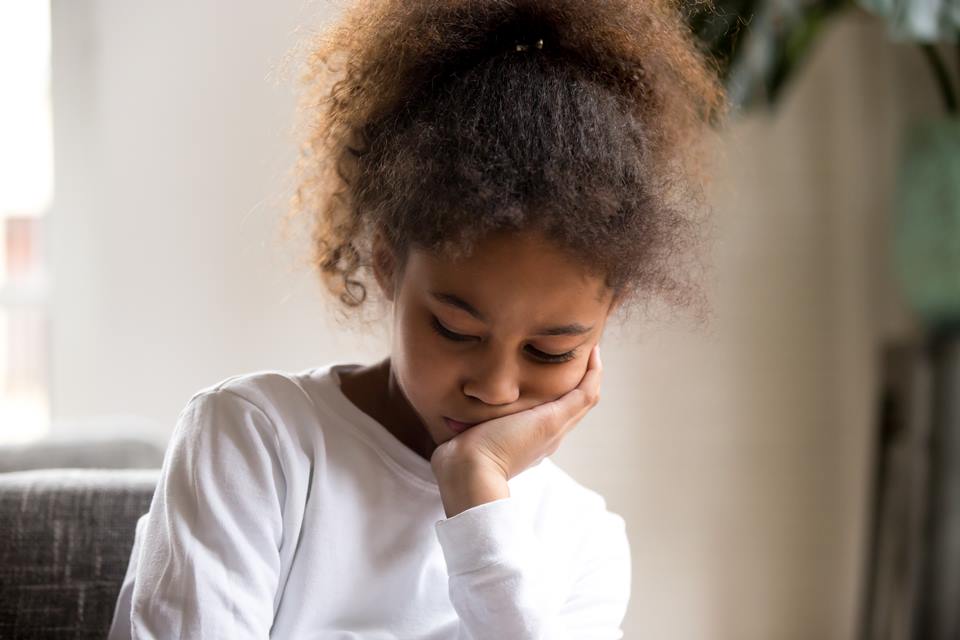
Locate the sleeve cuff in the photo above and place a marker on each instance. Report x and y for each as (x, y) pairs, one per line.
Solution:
(487, 534)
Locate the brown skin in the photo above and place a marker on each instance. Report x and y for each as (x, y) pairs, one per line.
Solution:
(520, 283)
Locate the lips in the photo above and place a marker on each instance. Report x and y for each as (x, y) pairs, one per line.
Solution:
(456, 425)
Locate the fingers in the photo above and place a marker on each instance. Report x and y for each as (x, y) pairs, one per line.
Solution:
(572, 406)
(591, 377)
(589, 387)
(590, 384)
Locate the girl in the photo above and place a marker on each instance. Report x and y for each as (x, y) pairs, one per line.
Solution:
(505, 175)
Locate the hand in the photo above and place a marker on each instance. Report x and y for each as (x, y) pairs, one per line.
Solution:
(510, 444)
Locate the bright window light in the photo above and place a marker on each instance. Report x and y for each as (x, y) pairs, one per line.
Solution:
(26, 186)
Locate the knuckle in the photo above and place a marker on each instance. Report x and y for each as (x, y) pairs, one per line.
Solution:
(586, 398)
(552, 416)
(550, 423)
(546, 429)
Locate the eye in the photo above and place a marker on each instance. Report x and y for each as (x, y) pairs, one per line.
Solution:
(446, 333)
(547, 358)
(553, 358)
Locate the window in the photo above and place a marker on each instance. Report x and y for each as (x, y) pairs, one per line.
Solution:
(26, 186)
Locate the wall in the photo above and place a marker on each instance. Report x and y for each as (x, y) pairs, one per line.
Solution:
(172, 132)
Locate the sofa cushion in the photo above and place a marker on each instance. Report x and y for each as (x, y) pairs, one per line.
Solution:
(103, 453)
(65, 542)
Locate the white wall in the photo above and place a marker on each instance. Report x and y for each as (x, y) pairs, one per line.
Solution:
(172, 142)
(739, 456)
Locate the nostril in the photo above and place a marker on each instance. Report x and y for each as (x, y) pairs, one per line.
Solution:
(495, 384)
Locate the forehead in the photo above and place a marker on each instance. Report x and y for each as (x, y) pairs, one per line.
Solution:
(513, 273)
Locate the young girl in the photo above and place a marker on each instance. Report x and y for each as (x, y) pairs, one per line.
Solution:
(505, 174)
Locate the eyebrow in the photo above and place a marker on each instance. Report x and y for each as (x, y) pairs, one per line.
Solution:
(572, 329)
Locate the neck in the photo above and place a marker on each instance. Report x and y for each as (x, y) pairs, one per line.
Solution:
(375, 390)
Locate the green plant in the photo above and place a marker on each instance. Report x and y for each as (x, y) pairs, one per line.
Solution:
(759, 44)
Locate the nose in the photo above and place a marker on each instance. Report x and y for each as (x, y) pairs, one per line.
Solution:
(493, 379)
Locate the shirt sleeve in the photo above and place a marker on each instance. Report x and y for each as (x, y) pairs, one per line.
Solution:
(209, 559)
(497, 577)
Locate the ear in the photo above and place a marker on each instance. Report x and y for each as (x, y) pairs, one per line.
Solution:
(384, 265)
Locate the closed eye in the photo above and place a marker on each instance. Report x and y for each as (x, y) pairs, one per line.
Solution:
(553, 358)
(541, 356)
(446, 333)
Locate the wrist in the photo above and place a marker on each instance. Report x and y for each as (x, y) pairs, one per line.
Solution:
(466, 483)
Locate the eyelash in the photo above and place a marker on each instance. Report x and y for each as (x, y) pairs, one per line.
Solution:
(547, 358)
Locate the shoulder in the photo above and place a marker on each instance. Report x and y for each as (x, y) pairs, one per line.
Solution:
(280, 395)
(266, 389)
(274, 407)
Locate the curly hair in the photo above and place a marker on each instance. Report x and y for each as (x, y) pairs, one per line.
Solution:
(436, 123)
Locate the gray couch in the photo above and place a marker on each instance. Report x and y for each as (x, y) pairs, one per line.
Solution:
(66, 534)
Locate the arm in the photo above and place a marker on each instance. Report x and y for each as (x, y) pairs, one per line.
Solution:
(209, 560)
(497, 572)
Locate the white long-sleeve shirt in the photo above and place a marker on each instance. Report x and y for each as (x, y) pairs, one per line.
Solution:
(284, 511)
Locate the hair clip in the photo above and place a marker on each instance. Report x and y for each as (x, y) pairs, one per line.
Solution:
(524, 47)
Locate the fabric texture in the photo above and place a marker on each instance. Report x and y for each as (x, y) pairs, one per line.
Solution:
(65, 540)
(284, 511)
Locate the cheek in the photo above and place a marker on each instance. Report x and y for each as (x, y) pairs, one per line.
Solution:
(425, 368)
(551, 382)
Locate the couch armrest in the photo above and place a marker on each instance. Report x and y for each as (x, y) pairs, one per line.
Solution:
(65, 542)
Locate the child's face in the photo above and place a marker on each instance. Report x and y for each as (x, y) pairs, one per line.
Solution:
(506, 361)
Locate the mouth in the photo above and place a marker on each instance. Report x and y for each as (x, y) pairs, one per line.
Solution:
(456, 426)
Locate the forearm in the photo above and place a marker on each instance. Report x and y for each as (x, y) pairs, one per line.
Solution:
(494, 568)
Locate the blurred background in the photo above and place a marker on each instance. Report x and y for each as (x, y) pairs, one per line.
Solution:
(786, 473)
